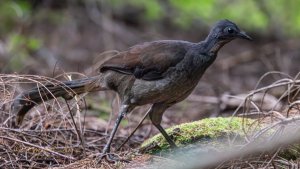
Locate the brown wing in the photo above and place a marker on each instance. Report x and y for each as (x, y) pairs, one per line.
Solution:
(148, 61)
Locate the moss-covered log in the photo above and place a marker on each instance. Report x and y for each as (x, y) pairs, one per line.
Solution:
(210, 132)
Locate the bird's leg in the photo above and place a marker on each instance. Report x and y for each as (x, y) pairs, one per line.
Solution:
(124, 110)
(131, 134)
(167, 137)
(155, 115)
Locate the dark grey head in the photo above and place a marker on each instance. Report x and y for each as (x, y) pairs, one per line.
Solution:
(227, 30)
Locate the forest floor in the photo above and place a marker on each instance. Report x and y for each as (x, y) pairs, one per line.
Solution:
(258, 80)
(48, 137)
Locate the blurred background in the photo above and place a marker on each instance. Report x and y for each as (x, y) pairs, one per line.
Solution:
(49, 37)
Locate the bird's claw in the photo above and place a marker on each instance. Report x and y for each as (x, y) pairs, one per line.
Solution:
(109, 157)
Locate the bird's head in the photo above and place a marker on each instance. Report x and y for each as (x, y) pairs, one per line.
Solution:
(225, 30)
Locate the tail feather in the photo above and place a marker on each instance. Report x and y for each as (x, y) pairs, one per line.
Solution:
(28, 99)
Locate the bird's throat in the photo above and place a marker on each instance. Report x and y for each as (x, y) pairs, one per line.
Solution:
(213, 45)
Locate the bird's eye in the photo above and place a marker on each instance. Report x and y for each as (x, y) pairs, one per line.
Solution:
(230, 30)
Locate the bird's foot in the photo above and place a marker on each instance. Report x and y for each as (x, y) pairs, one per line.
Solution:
(173, 146)
(109, 157)
(172, 143)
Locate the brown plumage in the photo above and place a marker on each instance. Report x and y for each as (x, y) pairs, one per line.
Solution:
(148, 61)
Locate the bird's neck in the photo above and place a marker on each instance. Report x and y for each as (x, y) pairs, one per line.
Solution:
(212, 45)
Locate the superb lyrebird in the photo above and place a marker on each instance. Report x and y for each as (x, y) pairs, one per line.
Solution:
(161, 73)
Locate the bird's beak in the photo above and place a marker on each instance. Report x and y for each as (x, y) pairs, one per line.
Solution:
(243, 35)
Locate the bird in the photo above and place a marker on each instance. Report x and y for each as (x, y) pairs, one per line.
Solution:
(161, 73)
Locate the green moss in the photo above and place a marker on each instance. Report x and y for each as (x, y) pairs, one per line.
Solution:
(202, 131)
(211, 134)
(291, 152)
